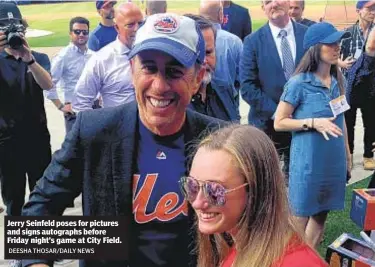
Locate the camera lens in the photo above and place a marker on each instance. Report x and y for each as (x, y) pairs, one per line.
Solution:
(15, 40)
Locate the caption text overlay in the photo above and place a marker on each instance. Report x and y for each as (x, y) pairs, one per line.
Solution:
(66, 237)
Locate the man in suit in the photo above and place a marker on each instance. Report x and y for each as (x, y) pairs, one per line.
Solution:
(228, 49)
(236, 19)
(296, 9)
(214, 98)
(269, 58)
(128, 163)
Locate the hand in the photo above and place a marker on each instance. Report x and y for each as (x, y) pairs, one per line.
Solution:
(325, 126)
(3, 41)
(347, 63)
(67, 109)
(24, 52)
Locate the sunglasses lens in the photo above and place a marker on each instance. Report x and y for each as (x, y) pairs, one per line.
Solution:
(78, 32)
(215, 193)
(191, 188)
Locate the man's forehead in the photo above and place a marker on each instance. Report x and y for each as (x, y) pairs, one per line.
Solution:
(156, 57)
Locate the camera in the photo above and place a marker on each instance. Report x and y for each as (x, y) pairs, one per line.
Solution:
(13, 33)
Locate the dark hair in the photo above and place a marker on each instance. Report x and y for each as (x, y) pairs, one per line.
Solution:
(202, 23)
(310, 62)
(302, 4)
(79, 20)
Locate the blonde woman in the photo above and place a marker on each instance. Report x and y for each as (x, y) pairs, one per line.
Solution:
(312, 107)
(237, 190)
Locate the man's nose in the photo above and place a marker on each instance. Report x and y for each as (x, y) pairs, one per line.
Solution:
(160, 82)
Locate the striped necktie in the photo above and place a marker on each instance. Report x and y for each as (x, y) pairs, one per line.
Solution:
(288, 62)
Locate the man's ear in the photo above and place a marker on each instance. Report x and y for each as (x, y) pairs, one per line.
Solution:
(117, 28)
(200, 72)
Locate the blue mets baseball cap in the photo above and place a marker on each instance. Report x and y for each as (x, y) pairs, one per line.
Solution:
(323, 33)
(102, 3)
(361, 4)
(175, 35)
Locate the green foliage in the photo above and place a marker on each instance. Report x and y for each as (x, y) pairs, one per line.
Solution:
(339, 222)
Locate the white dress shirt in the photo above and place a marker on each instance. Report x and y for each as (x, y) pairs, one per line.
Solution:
(108, 73)
(66, 68)
(290, 37)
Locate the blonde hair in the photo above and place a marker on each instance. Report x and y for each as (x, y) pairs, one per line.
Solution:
(265, 229)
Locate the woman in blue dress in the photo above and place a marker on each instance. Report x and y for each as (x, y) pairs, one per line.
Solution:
(318, 159)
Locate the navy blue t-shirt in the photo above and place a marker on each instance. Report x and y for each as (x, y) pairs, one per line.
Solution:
(159, 208)
(227, 20)
(101, 36)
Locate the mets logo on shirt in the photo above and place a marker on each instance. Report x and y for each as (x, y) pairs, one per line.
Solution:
(166, 24)
(169, 206)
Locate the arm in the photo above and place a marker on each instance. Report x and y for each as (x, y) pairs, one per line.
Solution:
(363, 70)
(57, 70)
(41, 76)
(60, 184)
(88, 86)
(239, 49)
(251, 90)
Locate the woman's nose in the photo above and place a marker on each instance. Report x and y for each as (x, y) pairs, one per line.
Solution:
(200, 202)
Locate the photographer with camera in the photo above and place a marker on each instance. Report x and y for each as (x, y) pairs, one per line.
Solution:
(24, 137)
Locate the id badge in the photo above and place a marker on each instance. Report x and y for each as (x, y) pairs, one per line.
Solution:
(339, 105)
(358, 53)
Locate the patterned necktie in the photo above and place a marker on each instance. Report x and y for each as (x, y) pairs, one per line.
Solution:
(288, 62)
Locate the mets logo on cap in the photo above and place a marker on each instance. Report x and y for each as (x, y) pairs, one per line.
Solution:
(166, 24)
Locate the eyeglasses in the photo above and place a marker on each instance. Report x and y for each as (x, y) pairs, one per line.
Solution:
(78, 32)
(131, 25)
(214, 192)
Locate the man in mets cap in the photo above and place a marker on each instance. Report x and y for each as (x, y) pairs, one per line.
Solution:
(128, 163)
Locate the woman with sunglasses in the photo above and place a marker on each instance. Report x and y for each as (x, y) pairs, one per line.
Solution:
(312, 107)
(237, 190)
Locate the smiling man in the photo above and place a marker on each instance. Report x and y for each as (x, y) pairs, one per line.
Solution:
(145, 143)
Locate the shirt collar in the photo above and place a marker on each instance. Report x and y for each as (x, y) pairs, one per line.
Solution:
(120, 48)
(77, 49)
(217, 26)
(310, 77)
(276, 30)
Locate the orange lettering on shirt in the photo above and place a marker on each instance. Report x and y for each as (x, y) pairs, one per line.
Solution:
(165, 210)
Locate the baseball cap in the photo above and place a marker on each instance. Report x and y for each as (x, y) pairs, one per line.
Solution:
(102, 3)
(323, 33)
(9, 11)
(175, 35)
(361, 4)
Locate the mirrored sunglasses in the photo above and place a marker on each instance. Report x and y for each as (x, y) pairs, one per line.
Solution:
(213, 191)
(78, 32)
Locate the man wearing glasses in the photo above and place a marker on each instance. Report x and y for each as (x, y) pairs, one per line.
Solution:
(67, 67)
(108, 71)
(105, 33)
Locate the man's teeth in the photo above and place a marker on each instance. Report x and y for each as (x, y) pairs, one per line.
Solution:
(206, 216)
(160, 103)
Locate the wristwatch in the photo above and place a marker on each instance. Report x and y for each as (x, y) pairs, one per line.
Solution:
(305, 127)
(32, 61)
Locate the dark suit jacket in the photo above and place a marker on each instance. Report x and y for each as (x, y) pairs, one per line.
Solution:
(240, 21)
(97, 159)
(261, 73)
